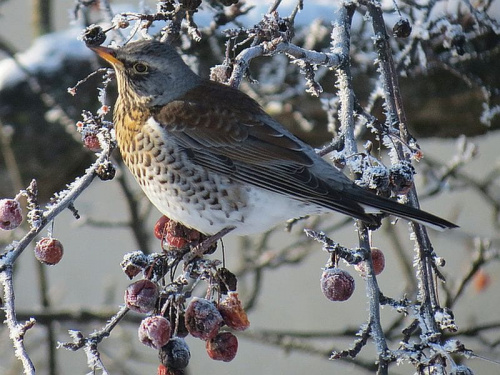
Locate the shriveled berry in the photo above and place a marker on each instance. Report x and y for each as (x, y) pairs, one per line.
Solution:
(174, 235)
(134, 262)
(222, 347)
(10, 214)
(233, 313)
(141, 296)
(105, 171)
(49, 251)
(161, 227)
(227, 280)
(401, 178)
(175, 354)
(378, 261)
(91, 142)
(93, 36)
(154, 331)
(174, 241)
(202, 318)
(337, 284)
(402, 28)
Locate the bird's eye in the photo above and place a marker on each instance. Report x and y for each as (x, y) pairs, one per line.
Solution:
(140, 68)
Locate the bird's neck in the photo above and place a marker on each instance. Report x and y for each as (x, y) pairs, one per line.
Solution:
(128, 118)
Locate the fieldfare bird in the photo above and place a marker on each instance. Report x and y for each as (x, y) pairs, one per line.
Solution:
(209, 157)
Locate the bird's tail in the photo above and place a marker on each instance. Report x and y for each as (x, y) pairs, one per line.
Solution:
(373, 204)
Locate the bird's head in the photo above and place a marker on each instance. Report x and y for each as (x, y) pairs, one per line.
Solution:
(149, 72)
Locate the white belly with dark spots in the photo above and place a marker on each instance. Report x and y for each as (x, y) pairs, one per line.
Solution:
(201, 199)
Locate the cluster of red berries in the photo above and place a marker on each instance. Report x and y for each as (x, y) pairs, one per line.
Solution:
(338, 285)
(175, 236)
(48, 250)
(172, 317)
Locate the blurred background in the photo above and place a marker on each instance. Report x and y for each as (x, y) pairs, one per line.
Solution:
(293, 326)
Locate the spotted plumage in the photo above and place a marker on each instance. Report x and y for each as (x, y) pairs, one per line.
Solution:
(209, 157)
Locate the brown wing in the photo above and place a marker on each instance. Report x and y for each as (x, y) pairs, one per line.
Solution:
(227, 121)
(227, 132)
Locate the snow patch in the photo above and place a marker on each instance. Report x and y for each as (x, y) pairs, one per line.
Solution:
(45, 55)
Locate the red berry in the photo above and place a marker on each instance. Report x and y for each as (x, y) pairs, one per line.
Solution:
(378, 261)
(164, 370)
(174, 234)
(222, 347)
(49, 251)
(10, 214)
(92, 142)
(202, 318)
(337, 284)
(233, 313)
(141, 296)
(161, 227)
(481, 281)
(174, 241)
(154, 331)
(175, 355)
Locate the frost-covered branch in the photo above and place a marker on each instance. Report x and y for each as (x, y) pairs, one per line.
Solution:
(39, 220)
(17, 330)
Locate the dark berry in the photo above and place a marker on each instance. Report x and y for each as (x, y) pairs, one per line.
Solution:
(233, 313)
(180, 325)
(227, 280)
(401, 178)
(105, 171)
(190, 4)
(175, 354)
(337, 284)
(228, 2)
(222, 347)
(402, 28)
(141, 296)
(49, 251)
(154, 331)
(458, 42)
(202, 318)
(10, 214)
(93, 36)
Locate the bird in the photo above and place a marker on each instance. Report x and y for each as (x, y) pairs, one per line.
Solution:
(209, 157)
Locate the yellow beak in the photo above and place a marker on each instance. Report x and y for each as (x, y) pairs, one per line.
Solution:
(107, 54)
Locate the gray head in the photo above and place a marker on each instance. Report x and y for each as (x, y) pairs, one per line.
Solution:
(150, 71)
